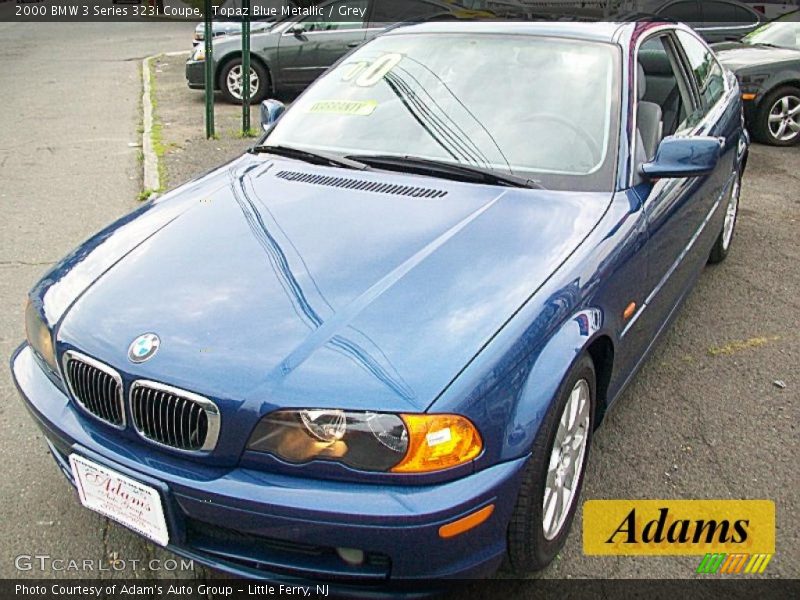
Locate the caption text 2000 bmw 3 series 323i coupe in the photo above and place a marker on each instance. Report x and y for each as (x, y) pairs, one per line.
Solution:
(375, 347)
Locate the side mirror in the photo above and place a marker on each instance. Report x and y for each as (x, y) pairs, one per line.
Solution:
(683, 157)
(297, 29)
(271, 110)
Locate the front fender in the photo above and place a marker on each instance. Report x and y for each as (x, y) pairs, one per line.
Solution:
(550, 367)
(786, 76)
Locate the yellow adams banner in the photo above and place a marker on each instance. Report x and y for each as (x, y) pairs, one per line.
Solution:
(669, 527)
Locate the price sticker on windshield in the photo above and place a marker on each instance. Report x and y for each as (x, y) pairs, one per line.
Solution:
(367, 74)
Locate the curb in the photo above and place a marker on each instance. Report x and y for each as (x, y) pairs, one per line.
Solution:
(151, 180)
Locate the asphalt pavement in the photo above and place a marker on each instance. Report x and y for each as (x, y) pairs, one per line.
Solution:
(713, 413)
(71, 96)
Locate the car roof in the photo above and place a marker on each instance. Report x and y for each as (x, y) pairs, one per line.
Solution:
(597, 31)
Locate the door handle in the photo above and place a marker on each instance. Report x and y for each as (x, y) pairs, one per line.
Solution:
(353, 44)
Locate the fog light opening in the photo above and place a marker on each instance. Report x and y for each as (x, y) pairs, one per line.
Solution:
(352, 556)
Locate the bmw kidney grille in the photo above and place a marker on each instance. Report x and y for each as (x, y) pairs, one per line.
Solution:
(173, 417)
(96, 387)
(161, 414)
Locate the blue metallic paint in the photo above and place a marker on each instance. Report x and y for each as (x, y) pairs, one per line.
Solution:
(315, 271)
(683, 157)
(268, 293)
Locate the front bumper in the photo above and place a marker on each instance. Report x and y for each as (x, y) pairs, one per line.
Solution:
(257, 524)
(750, 108)
(196, 74)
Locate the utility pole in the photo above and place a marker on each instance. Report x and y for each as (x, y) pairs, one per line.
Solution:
(209, 66)
(246, 69)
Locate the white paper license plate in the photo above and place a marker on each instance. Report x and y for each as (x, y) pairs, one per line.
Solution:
(113, 495)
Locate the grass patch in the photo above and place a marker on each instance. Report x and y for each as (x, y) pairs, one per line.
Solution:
(157, 131)
(145, 194)
(737, 346)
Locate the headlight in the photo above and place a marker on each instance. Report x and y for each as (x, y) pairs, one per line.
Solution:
(368, 441)
(199, 54)
(39, 336)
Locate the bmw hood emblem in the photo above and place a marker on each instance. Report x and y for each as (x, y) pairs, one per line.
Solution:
(143, 347)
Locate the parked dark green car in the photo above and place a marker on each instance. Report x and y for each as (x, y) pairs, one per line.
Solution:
(292, 53)
(767, 64)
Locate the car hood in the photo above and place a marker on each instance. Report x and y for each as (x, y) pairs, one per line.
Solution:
(277, 283)
(738, 56)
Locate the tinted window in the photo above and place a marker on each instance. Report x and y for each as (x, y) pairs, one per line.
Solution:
(719, 12)
(725, 12)
(742, 15)
(707, 71)
(687, 12)
(330, 20)
(390, 11)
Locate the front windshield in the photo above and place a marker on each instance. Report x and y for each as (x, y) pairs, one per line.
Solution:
(541, 108)
(783, 32)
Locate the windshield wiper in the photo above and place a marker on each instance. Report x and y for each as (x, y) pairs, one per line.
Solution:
(448, 170)
(316, 157)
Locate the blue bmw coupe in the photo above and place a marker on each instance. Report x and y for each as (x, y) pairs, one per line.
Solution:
(375, 346)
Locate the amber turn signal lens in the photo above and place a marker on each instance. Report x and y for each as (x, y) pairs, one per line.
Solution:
(466, 523)
(437, 442)
(629, 311)
(748, 96)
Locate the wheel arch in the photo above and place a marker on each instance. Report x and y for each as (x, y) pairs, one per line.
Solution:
(780, 80)
(601, 350)
(230, 56)
(581, 334)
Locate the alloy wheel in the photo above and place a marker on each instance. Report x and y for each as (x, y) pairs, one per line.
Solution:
(784, 118)
(235, 83)
(730, 214)
(566, 460)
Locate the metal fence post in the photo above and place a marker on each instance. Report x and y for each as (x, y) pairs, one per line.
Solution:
(209, 67)
(246, 68)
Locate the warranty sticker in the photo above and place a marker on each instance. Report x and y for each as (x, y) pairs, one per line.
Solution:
(361, 108)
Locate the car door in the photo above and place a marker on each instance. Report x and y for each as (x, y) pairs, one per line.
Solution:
(307, 48)
(677, 210)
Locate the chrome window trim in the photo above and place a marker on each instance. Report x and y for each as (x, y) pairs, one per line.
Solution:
(72, 354)
(289, 32)
(210, 408)
(723, 27)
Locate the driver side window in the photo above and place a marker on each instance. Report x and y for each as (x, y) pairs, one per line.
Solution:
(664, 103)
(708, 73)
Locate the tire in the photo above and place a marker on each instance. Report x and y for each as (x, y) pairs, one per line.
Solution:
(530, 547)
(783, 103)
(231, 74)
(723, 244)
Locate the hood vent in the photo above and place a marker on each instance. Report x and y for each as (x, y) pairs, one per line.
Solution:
(363, 185)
